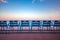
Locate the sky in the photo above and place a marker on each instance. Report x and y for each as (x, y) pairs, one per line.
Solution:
(30, 9)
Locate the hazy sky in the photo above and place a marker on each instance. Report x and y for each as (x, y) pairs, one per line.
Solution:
(30, 9)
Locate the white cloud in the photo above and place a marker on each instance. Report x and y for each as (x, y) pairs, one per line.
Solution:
(41, 0)
(33, 1)
(4, 1)
(37, 0)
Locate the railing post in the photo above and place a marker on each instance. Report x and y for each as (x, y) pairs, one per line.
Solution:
(52, 23)
(8, 25)
(30, 28)
(41, 25)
